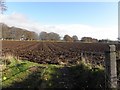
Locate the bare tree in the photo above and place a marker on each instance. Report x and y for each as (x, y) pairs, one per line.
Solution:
(3, 6)
(2, 9)
(68, 38)
(43, 36)
(49, 36)
(53, 36)
(75, 38)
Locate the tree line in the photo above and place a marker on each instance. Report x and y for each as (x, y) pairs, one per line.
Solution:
(14, 33)
(56, 37)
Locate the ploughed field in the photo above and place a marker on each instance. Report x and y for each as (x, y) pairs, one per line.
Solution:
(55, 52)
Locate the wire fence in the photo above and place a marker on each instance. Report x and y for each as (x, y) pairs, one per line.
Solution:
(95, 58)
(110, 60)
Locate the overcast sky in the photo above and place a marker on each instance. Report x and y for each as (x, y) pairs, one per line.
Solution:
(92, 19)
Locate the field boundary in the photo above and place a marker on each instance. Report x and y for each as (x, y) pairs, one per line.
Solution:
(62, 53)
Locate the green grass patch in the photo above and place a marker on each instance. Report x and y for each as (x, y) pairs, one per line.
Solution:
(17, 71)
(25, 74)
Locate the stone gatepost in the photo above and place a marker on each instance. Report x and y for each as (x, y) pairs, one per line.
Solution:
(111, 67)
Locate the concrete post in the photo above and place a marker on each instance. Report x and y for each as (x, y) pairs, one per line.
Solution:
(111, 67)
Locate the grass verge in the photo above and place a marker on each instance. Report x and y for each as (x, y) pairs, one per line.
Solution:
(25, 74)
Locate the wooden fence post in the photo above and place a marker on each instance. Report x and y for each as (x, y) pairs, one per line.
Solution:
(111, 67)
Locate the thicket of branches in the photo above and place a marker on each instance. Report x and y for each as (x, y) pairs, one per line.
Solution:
(17, 33)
